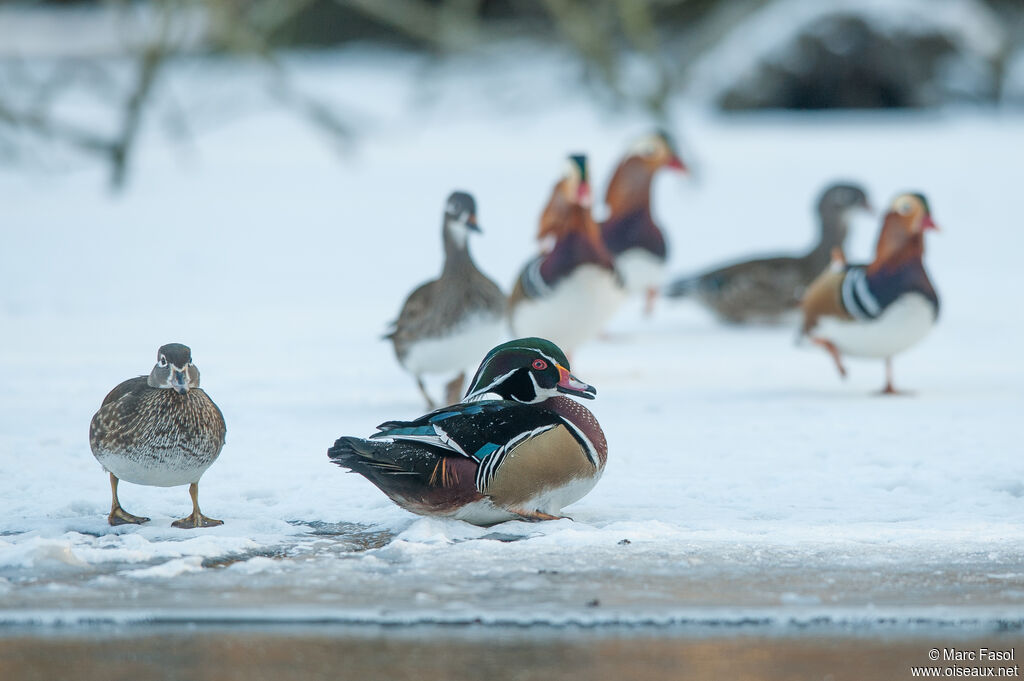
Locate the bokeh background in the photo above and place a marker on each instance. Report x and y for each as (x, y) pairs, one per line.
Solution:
(264, 180)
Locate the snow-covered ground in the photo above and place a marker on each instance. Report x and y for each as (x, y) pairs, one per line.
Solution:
(746, 482)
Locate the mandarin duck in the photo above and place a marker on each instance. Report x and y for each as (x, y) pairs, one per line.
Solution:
(160, 430)
(881, 309)
(447, 323)
(515, 448)
(568, 293)
(630, 233)
(766, 289)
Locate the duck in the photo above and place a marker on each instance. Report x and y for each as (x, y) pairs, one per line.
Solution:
(570, 290)
(635, 241)
(517, 447)
(447, 323)
(883, 308)
(160, 430)
(769, 289)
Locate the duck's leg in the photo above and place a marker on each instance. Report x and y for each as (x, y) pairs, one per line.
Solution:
(453, 391)
(119, 516)
(834, 352)
(196, 518)
(889, 389)
(652, 295)
(423, 391)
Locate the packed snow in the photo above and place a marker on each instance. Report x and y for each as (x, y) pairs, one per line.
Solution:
(746, 482)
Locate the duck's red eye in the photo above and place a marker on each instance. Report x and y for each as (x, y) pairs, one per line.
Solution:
(540, 365)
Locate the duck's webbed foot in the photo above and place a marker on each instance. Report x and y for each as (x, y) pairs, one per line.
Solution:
(196, 518)
(119, 516)
(536, 516)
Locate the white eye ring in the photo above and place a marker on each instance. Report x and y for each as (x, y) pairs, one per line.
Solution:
(163, 361)
(906, 208)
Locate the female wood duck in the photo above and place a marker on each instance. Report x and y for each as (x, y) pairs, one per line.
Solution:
(630, 233)
(160, 430)
(446, 324)
(514, 448)
(766, 289)
(568, 293)
(883, 308)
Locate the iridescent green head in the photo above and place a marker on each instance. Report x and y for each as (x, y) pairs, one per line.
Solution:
(527, 370)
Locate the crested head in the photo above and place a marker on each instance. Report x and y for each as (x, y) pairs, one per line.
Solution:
(568, 208)
(912, 212)
(460, 217)
(527, 370)
(902, 236)
(174, 369)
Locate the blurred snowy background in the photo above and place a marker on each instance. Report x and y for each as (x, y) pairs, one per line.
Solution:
(264, 181)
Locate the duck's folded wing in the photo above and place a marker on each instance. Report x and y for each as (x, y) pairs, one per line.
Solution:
(474, 430)
(824, 297)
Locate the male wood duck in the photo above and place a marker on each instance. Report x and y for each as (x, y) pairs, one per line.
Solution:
(160, 430)
(630, 233)
(514, 448)
(766, 289)
(447, 323)
(569, 293)
(881, 309)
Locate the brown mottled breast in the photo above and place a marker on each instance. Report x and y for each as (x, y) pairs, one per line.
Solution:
(137, 418)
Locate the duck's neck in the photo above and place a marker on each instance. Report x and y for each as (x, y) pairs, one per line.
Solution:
(896, 247)
(456, 251)
(834, 228)
(580, 240)
(630, 188)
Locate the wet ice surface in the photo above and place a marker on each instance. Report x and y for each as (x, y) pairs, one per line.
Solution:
(746, 483)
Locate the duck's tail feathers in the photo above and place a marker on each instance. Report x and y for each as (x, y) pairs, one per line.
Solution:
(415, 477)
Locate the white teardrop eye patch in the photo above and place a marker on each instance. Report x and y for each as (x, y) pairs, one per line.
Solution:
(163, 361)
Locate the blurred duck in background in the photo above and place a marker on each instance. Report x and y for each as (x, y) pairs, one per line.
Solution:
(447, 324)
(881, 309)
(766, 289)
(568, 293)
(630, 233)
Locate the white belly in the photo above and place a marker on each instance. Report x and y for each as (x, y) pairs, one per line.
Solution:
(640, 270)
(171, 470)
(905, 322)
(464, 348)
(574, 312)
(551, 501)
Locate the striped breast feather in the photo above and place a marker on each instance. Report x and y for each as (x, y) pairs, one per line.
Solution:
(474, 429)
(857, 297)
(490, 463)
(533, 282)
